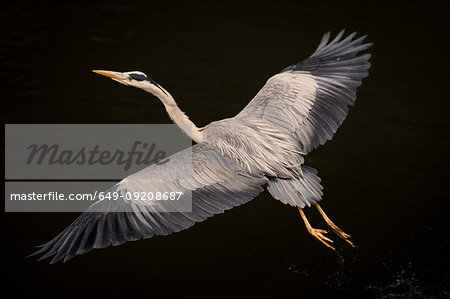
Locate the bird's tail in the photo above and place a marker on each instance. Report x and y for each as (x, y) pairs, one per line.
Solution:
(298, 192)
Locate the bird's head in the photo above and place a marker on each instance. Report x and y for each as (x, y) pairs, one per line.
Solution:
(135, 78)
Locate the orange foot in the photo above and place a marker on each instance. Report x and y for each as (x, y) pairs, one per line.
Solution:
(315, 232)
(334, 227)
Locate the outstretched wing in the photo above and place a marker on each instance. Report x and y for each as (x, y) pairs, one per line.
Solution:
(216, 182)
(309, 101)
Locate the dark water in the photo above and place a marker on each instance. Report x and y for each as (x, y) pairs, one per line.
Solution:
(384, 172)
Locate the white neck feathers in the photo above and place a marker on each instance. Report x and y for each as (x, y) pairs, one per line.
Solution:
(178, 116)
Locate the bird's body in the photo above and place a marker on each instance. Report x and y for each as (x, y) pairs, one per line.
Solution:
(263, 146)
(255, 145)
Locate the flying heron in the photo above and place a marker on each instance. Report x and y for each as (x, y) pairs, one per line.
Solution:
(264, 145)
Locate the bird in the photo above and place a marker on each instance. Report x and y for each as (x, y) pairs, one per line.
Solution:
(234, 159)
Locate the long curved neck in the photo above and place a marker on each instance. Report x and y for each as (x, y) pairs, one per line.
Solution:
(178, 116)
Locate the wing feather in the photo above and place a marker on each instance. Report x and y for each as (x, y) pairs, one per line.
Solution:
(308, 101)
(217, 184)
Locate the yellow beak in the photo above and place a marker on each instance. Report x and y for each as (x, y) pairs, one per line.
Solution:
(111, 74)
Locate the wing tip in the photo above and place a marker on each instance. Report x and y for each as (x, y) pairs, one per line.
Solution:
(326, 48)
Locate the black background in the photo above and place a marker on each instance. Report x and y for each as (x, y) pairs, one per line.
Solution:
(384, 172)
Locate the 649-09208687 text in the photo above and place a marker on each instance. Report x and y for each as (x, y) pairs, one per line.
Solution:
(58, 196)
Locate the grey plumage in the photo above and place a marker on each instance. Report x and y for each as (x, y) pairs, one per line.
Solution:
(300, 191)
(264, 145)
(309, 101)
(216, 184)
